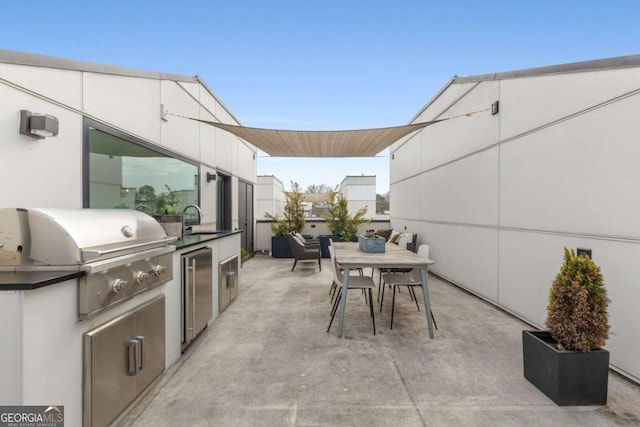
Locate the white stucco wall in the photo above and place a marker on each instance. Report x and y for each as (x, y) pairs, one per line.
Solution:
(497, 197)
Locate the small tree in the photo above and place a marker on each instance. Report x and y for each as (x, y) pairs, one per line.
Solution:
(339, 222)
(577, 315)
(294, 218)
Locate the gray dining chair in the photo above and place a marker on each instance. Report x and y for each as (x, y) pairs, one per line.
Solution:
(410, 279)
(354, 282)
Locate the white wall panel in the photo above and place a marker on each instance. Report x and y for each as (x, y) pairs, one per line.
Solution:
(126, 102)
(465, 255)
(405, 200)
(10, 347)
(193, 89)
(579, 176)
(39, 172)
(465, 191)
(208, 105)
(406, 161)
(443, 102)
(224, 150)
(527, 103)
(179, 134)
(208, 144)
(63, 86)
(247, 166)
(455, 138)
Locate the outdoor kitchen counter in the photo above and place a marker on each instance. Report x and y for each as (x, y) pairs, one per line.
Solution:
(28, 280)
(201, 237)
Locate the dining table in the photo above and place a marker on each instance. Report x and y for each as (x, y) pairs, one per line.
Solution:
(349, 257)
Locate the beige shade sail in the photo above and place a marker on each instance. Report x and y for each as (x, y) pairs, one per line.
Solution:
(342, 143)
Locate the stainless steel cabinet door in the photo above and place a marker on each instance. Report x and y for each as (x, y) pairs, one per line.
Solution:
(197, 292)
(111, 389)
(121, 358)
(150, 335)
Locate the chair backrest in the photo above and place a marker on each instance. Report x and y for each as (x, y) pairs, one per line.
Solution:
(336, 269)
(423, 250)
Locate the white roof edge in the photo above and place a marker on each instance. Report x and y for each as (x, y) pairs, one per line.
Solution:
(37, 60)
(572, 67)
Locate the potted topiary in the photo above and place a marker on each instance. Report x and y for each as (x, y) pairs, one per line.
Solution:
(343, 226)
(294, 220)
(567, 362)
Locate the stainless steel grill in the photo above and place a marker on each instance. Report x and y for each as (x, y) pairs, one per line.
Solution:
(122, 252)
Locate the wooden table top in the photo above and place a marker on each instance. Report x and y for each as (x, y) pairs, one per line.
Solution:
(349, 255)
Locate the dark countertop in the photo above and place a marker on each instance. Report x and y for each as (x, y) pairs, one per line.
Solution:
(29, 280)
(197, 238)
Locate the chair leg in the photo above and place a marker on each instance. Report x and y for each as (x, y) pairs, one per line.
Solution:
(412, 292)
(373, 319)
(434, 321)
(382, 296)
(393, 305)
(333, 290)
(319, 264)
(294, 264)
(335, 308)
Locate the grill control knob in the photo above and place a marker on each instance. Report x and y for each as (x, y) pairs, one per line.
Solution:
(118, 285)
(159, 270)
(142, 276)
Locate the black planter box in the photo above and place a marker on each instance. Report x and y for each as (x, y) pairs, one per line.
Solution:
(280, 247)
(324, 243)
(566, 377)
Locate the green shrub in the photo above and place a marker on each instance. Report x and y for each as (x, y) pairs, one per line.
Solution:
(577, 315)
(294, 216)
(339, 221)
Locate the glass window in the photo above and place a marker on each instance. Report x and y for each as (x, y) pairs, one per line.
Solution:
(133, 175)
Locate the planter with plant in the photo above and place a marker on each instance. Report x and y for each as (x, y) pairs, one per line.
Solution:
(293, 220)
(369, 242)
(567, 362)
(342, 225)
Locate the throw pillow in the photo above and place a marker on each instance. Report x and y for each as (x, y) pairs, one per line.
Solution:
(395, 235)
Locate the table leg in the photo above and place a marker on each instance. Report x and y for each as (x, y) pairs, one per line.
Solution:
(425, 293)
(343, 303)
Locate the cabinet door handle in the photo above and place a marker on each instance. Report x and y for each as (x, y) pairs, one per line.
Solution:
(231, 280)
(132, 354)
(193, 288)
(140, 353)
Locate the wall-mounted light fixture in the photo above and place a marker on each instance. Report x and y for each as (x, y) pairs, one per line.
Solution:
(495, 108)
(254, 156)
(38, 126)
(211, 176)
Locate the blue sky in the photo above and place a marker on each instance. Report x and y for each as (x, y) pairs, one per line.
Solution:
(324, 64)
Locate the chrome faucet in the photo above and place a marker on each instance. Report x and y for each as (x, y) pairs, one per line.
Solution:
(184, 222)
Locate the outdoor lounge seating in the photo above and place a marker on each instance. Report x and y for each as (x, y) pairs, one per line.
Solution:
(302, 252)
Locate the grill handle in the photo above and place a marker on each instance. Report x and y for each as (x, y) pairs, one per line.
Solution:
(97, 253)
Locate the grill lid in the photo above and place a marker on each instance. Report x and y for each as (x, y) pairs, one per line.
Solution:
(74, 236)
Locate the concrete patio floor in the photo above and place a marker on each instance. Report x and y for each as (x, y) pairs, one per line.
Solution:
(268, 361)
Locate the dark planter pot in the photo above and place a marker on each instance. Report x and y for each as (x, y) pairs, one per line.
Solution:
(324, 243)
(280, 247)
(566, 377)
